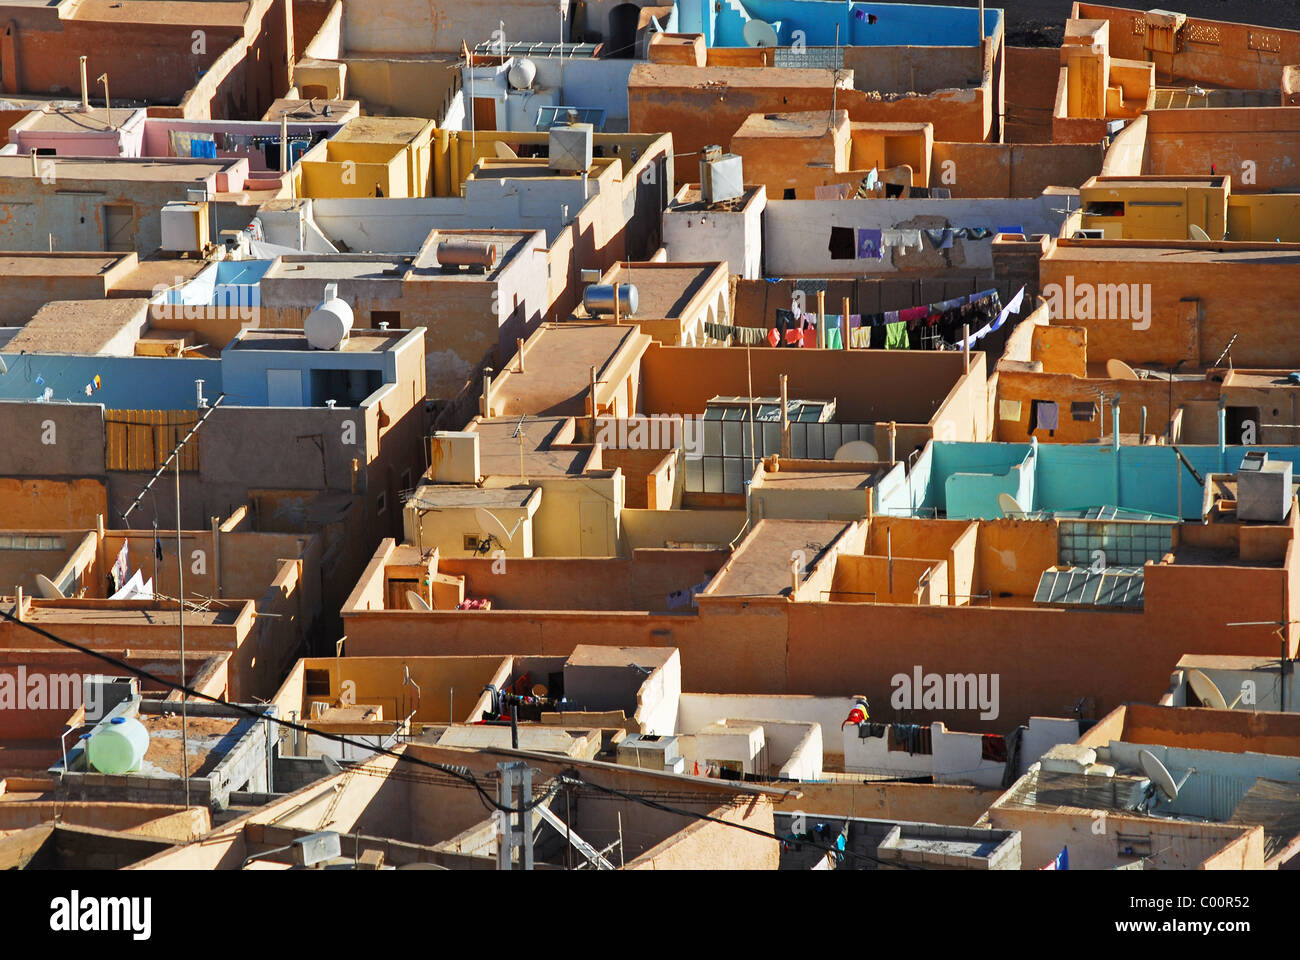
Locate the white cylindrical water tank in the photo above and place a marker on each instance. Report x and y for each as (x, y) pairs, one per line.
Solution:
(118, 746)
(522, 73)
(598, 299)
(328, 325)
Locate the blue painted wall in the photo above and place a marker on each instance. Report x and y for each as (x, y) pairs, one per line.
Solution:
(896, 24)
(963, 478)
(126, 383)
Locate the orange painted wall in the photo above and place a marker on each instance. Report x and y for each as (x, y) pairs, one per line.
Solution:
(52, 504)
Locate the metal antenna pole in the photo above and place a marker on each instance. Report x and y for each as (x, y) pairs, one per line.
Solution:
(180, 621)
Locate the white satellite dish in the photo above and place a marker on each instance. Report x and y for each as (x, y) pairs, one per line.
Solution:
(1208, 692)
(1009, 506)
(489, 522)
(857, 451)
(417, 602)
(760, 33)
(1197, 233)
(48, 588)
(1119, 370)
(4, 367)
(504, 151)
(1159, 775)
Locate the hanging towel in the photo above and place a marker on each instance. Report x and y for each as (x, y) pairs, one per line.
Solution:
(1009, 410)
(843, 245)
(896, 337)
(1048, 415)
(203, 145)
(833, 339)
(869, 245)
(891, 238)
(941, 238)
(861, 338)
(1010, 308)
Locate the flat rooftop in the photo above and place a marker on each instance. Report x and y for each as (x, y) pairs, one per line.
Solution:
(1191, 253)
(446, 496)
(557, 368)
(76, 326)
(60, 119)
(58, 265)
(760, 567)
(326, 268)
(150, 274)
(499, 448)
(690, 200)
(822, 479)
(116, 168)
(381, 130)
(664, 289)
(361, 340)
(208, 13)
(140, 618)
(783, 126)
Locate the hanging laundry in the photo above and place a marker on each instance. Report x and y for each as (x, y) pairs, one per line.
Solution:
(911, 239)
(993, 747)
(896, 337)
(843, 245)
(750, 336)
(1010, 308)
(719, 331)
(1048, 415)
(1009, 410)
(203, 145)
(869, 244)
(891, 238)
(1085, 410)
(941, 238)
(834, 341)
(861, 338)
(179, 143)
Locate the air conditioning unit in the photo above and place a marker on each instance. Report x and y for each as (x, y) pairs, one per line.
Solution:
(651, 753)
(570, 148)
(184, 226)
(1263, 489)
(721, 176)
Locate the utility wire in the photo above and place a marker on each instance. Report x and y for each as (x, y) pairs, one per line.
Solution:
(459, 773)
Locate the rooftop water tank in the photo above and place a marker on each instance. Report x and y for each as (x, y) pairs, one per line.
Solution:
(118, 746)
(466, 253)
(522, 74)
(598, 299)
(330, 323)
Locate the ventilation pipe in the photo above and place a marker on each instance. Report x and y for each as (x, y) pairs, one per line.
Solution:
(85, 88)
(1114, 418)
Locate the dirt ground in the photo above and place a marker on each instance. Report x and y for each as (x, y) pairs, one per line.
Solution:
(1041, 23)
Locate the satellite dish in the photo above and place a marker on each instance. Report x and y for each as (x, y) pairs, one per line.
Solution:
(1159, 776)
(760, 33)
(4, 367)
(1206, 690)
(504, 152)
(1009, 506)
(1119, 370)
(857, 451)
(489, 522)
(48, 588)
(1197, 233)
(417, 602)
(331, 765)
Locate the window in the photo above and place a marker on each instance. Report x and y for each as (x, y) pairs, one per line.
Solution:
(406, 479)
(470, 543)
(316, 683)
(381, 503)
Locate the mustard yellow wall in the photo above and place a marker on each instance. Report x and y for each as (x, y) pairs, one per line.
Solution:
(1264, 217)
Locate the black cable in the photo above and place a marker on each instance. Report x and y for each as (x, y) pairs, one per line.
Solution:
(653, 804)
(460, 773)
